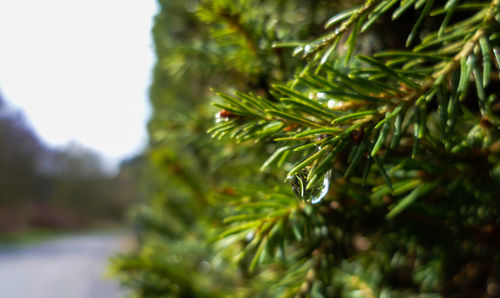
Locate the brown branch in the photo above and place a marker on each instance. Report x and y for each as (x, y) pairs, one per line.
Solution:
(234, 23)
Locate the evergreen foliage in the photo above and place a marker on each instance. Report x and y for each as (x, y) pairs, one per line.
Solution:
(381, 116)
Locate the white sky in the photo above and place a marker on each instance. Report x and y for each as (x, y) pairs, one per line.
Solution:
(80, 69)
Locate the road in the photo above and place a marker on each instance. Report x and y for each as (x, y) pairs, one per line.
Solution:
(70, 267)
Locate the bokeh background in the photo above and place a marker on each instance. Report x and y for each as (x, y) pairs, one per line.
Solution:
(74, 81)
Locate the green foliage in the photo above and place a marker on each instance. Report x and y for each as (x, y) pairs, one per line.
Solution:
(391, 146)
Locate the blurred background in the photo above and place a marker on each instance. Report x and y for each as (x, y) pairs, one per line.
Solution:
(74, 78)
(73, 110)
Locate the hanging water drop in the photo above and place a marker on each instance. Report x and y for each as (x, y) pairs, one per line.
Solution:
(249, 236)
(307, 49)
(311, 193)
(315, 193)
(219, 118)
(224, 115)
(333, 104)
(321, 95)
(323, 188)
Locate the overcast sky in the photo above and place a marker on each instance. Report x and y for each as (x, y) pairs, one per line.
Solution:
(80, 69)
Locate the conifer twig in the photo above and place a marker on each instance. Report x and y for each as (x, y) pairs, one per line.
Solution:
(346, 25)
(455, 61)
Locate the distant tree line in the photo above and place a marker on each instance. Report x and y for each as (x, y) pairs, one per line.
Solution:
(58, 188)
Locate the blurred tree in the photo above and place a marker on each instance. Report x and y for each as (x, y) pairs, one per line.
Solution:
(390, 144)
(43, 187)
(18, 157)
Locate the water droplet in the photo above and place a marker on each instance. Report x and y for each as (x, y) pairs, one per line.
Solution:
(316, 192)
(308, 49)
(249, 236)
(324, 188)
(332, 104)
(337, 31)
(219, 118)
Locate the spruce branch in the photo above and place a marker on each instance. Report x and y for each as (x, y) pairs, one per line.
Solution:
(356, 15)
(391, 94)
(468, 47)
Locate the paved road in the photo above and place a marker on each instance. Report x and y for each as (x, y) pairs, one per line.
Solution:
(70, 267)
